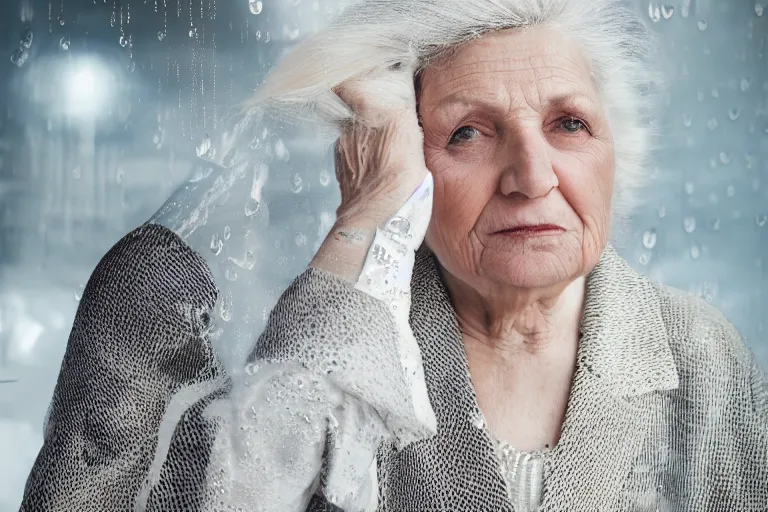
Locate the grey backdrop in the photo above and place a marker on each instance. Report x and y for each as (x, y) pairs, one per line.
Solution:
(105, 105)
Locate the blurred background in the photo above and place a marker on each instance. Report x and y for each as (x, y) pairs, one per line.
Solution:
(109, 106)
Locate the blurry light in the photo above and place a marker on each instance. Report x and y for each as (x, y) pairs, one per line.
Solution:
(88, 90)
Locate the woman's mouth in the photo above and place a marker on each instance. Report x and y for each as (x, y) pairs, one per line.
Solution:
(531, 230)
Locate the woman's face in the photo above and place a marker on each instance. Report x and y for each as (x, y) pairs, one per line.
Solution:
(522, 159)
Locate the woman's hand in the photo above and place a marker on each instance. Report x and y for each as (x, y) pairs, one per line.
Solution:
(379, 165)
(380, 155)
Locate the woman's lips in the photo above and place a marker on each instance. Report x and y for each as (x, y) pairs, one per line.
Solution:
(531, 230)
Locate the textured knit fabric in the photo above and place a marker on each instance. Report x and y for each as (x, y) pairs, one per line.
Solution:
(668, 409)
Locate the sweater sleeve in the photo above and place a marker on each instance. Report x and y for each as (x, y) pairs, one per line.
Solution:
(360, 336)
(144, 417)
(360, 339)
(138, 339)
(759, 388)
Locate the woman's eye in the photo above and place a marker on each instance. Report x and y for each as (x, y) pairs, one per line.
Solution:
(464, 134)
(572, 125)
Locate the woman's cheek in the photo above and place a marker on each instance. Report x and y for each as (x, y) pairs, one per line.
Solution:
(587, 186)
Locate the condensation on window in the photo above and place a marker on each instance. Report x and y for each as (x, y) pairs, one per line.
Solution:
(114, 112)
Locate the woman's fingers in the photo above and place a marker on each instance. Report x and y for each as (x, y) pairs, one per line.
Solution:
(378, 95)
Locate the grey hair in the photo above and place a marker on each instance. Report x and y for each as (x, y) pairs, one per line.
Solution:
(375, 34)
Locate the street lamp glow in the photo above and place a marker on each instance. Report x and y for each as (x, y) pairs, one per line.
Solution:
(87, 90)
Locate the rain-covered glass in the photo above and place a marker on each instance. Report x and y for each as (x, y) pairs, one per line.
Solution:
(113, 112)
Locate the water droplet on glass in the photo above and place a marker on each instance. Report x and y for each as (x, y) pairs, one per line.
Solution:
(290, 33)
(725, 158)
(216, 244)
(204, 148)
(132, 66)
(251, 207)
(27, 36)
(761, 219)
(325, 178)
(645, 258)
(662, 212)
(707, 291)
(300, 240)
(687, 120)
(120, 176)
(731, 191)
(759, 9)
(160, 35)
(281, 152)
(231, 274)
(251, 368)
(64, 43)
(715, 224)
(123, 41)
(19, 57)
(702, 25)
(667, 11)
(399, 225)
(61, 20)
(227, 232)
(296, 184)
(695, 251)
(649, 238)
(381, 256)
(478, 421)
(225, 308)
(745, 84)
(734, 113)
(79, 292)
(255, 6)
(247, 262)
(654, 12)
(689, 187)
(689, 224)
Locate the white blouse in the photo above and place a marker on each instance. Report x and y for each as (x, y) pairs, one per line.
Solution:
(524, 475)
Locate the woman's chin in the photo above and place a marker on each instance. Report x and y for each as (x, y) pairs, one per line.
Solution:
(531, 269)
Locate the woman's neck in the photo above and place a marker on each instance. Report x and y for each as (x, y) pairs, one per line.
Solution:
(509, 321)
(521, 348)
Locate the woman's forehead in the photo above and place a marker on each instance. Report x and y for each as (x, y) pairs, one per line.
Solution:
(537, 56)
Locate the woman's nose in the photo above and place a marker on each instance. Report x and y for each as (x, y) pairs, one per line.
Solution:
(527, 168)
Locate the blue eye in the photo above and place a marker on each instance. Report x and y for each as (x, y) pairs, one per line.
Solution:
(463, 134)
(572, 125)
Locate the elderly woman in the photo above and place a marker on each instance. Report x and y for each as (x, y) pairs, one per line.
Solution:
(513, 361)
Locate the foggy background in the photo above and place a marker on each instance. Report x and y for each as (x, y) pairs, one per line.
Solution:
(107, 105)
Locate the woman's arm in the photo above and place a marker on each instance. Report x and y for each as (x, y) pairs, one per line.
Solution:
(346, 317)
(138, 340)
(142, 415)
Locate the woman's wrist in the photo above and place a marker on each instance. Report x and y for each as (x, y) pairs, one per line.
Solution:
(344, 250)
(347, 248)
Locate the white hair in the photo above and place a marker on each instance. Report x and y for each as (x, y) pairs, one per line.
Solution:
(374, 34)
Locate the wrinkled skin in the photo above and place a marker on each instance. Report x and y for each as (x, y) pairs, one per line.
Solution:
(530, 145)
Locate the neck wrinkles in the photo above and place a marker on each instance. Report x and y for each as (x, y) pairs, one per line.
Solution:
(511, 321)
